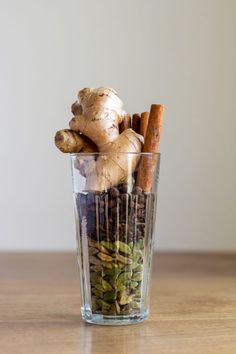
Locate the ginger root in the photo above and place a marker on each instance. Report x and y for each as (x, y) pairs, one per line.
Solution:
(98, 113)
(115, 167)
(68, 141)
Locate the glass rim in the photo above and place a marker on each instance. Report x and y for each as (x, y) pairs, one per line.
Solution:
(99, 153)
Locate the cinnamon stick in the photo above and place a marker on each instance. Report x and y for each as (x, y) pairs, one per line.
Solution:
(136, 122)
(151, 145)
(144, 123)
(126, 124)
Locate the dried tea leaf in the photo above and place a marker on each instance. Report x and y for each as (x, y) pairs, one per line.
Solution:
(123, 247)
(104, 257)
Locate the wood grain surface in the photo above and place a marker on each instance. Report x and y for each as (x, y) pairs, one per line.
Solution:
(193, 308)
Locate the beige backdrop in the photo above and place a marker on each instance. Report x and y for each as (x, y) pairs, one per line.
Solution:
(181, 53)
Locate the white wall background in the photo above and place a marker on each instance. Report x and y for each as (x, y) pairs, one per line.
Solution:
(181, 53)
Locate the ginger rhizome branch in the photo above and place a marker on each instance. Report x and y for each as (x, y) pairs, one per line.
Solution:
(101, 112)
(68, 141)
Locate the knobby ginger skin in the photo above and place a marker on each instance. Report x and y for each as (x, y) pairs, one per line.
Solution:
(68, 141)
(114, 168)
(101, 112)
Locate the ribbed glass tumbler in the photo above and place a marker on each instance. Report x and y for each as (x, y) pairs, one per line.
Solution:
(115, 221)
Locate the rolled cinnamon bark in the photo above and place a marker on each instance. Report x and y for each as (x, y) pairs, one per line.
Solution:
(151, 144)
(68, 141)
(125, 124)
(144, 123)
(136, 122)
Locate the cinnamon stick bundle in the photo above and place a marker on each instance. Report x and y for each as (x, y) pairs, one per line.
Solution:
(151, 144)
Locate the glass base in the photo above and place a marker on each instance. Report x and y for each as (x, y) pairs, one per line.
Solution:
(108, 320)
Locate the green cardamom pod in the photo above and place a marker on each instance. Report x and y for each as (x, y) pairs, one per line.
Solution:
(135, 305)
(107, 265)
(127, 268)
(137, 255)
(99, 286)
(96, 268)
(94, 260)
(95, 278)
(97, 292)
(104, 257)
(137, 276)
(124, 298)
(135, 265)
(110, 295)
(139, 268)
(123, 247)
(92, 251)
(133, 284)
(131, 245)
(123, 279)
(102, 249)
(109, 245)
(104, 305)
(117, 307)
(106, 286)
(123, 259)
(92, 243)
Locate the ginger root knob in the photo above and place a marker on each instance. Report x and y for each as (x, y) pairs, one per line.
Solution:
(68, 141)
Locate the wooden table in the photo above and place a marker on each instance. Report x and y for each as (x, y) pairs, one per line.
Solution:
(193, 308)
